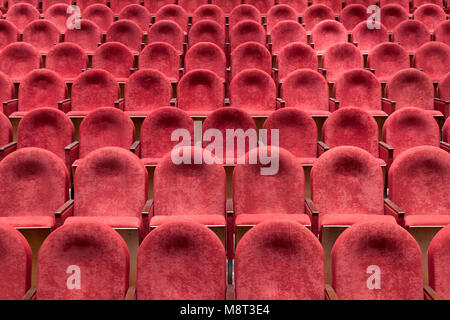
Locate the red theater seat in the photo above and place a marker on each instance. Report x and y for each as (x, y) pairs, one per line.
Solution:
(326, 33)
(251, 55)
(100, 14)
(431, 15)
(206, 55)
(18, 59)
(377, 261)
(67, 59)
(298, 5)
(403, 3)
(262, 5)
(339, 58)
(259, 273)
(438, 261)
(191, 5)
(352, 15)
(392, 15)
(154, 5)
(207, 31)
(244, 12)
(281, 12)
(386, 59)
(411, 34)
(285, 33)
(48, 3)
(432, 58)
(126, 32)
(368, 38)
(247, 31)
(57, 14)
(418, 3)
(115, 58)
(334, 5)
(168, 32)
(137, 14)
(88, 36)
(315, 14)
(443, 96)
(83, 261)
(21, 15)
(6, 130)
(173, 13)
(226, 5)
(6, 89)
(8, 33)
(295, 56)
(442, 32)
(117, 5)
(163, 57)
(83, 4)
(161, 255)
(42, 34)
(11, 3)
(209, 12)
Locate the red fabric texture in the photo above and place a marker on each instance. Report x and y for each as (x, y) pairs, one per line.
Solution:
(431, 15)
(115, 58)
(57, 14)
(163, 57)
(281, 12)
(181, 261)
(298, 5)
(6, 87)
(15, 263)
(295, 56)
(411, 34)
(326, 33)
(100, 14)
(418, 3)
(191, 5)
(251, 55)
(438, 262)
(387, 58)
(392, 15)
(244, 12)
(446, 131)
(254, 219)
(8, 33)
(204, 219)
(246, 31)
(369, 38)
(88, 36)
(432, 58)
(118, 5)
(279, 260)
(315, 14)
(19, 58)
(48, 3)
(154, 5)
(226, 5)
(67, 59)
(6, 130)
(442, 32)
(341, 57)
(136, 13)
(403, 3)
(285, 33)
(209, 12)
(97, 250)
(83, 4)
(206, 55)
(169, 32)
(173, 13)
(262, 5)
(21, 14)
(207, 31)
(126, 32)
(351, 219)
(385, 245)
(353, 14)
(336, 6)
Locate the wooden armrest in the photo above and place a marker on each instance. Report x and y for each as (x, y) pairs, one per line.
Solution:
(173, 102)
(10, 101)
(388, 100)
(10, 106)
(60, 211)
(131, 293)
(399, 212)
(428, 291)
(30, 293)
(330, 293)
(227, 102)
(134, 147)
(230, 295)
(8, 146)
(147, 207)
(280, 103)
(311, 207)
(386, 146)
(323, 146)
(71, 146)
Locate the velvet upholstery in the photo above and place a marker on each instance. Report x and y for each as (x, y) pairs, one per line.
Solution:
(419, 181)
(369, 38)
(438, 261)
(6, 130)
(117, 5)
(189, 190)
(100, 254)
(226, 5)
(206, 55)
(279, 260)
(295, 56)
(19, 58)
(262, 5)
(418, 3)
(411, 34)
(353, 14)
(209, 12)
(34, 183)
(351, 126)
(181, 261)
(297, 132)
(67, 59)
(157, 129)
(334, 5)
(341, 57)
(298, 5)
(431, 15)
(154, 5)
(244, 12)
(207, 31)
(246, 31)
(200, 92)
(137, 14)
(48, 3)
(145, 91)
(115, 58)
(93, 89)
(285, 33)
(126, 32)
(250, 55)
(307, 90)
(443, 89)
(386, 246)
(191, 5)
(100, 14)
(83, 4)
(173, 13)
(432, 58)
(15, 263)
(387, 58)
(21, 14)
(326, 33)
(46, 128)
(281, 12)
(8, 33)
(442, 32)
(446, 131)
(162, 57)
(392, 15)
(88, 36)
(229, 118)
(403, 3)
(254, 91)
(34, 3)
(410, 127)
(105, 127)
(169, 32)
(6, 87)
(315, 14)
(57, 14)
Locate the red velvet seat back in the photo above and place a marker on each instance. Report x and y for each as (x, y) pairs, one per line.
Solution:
(410, 127)
(209, 12)
(16, 261)
(358, 88)
(244, 12)
(411, 34)
(306, 90)
(403, 3)
(21, 14)
(334, 5)
(371, 251)
(285, 33)
(351, 126)
(387, 58)
(432, 58)
(443, 88)
(411, 88)
(115, 58)
(6, 130)
(93, 89)
(298, 5)
(297, 131)
(6, 88)
(105, 127)
(110, 181)
(146, 90)
(57, 14)
(347, 180)
(281, 12)
(253, 90)
(353, 14)
(189, 189)
(326, 33)
(126, 32)
(392, 15)
(251, 55)
(83, 4)
(207, 31)
(295, 56)
(34, 3)
(419, 181)
(206, 55)
(19, 58)
(100, 14)
(438, 262)
(418, 3)
(33, 182)
(431, 15)
(369, 38)
(259, 273)
(226, 5)
(46, 128)
(8, 33)
(200, 90)
(247, 31)
(169, 32)
(88, 36)
(188, 250)
(341, 57)
(41, 88)
(48, 3)
(92, 252)
(315, 14)
(230, 119)
(262, 5)
(446, 131)
(117, 5)
(137, 14)
(161, 56)
(67, 59)
(191, 5)
(173, 13)
(442, 32)
(154, 5)
(157, 129)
